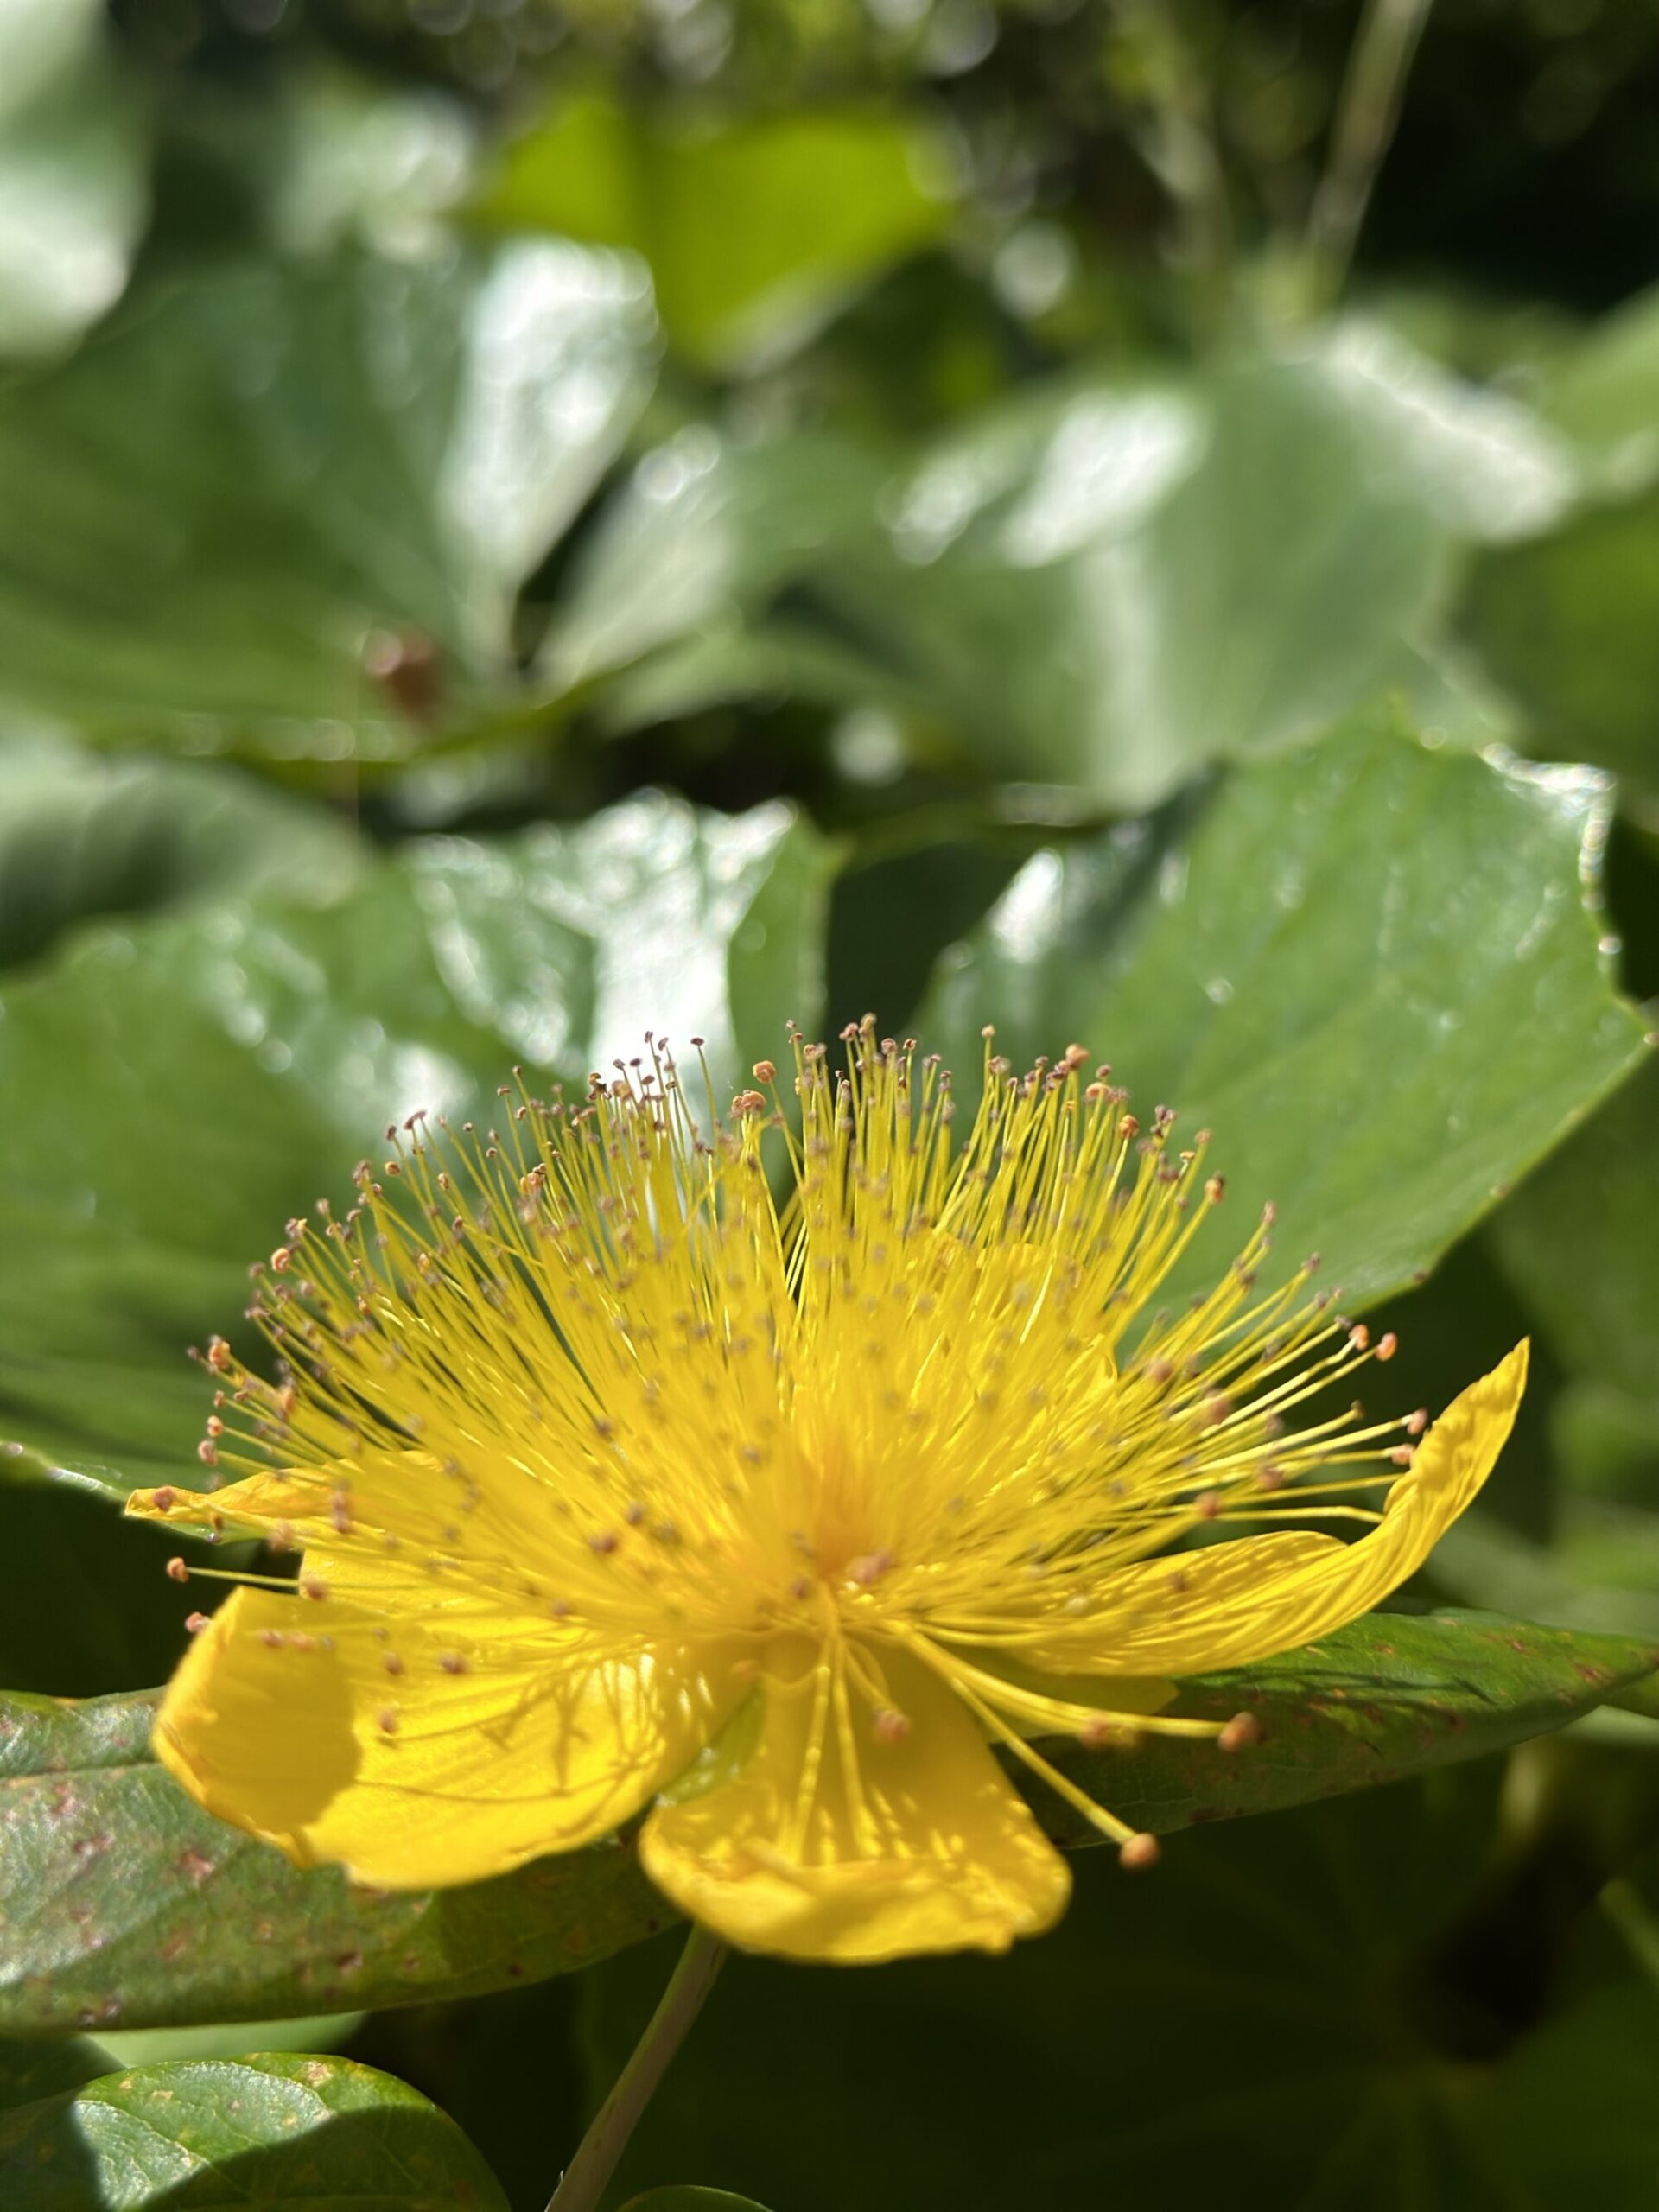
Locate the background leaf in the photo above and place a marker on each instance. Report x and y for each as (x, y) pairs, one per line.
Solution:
(752, 233)
(1368, 969)
(124, 1906)
(74, 153)
(83, 835)
(1076, 587)
(249, 1054)
(1294, 2012)
(291, 507)
(277, 2132)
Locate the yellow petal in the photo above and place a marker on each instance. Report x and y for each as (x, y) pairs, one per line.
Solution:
(896, 1847)
(425, 1752)
(1237, 1602)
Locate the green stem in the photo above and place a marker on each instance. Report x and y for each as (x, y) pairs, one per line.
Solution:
(584, 2180)
(1367, 113)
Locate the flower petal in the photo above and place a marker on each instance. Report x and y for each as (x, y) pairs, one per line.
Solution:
(898, 1844)
(419, 1753)
(1245, 1600)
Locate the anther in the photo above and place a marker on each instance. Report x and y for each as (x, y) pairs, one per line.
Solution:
(194, 1624)
(452, 1663)
(891, 1727)
(177, 1571)
(1417, 1422)
(869, 1568)
(392, 1663)
(765, 1072)
(603, 1540)
(388, 1721)
(1387, 1346)
(1137, 1852)
(1402, 1455)
(1242, 1732)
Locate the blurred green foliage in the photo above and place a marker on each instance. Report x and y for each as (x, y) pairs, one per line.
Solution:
(523, 521)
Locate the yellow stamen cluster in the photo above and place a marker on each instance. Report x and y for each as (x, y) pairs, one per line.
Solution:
(585, 1370)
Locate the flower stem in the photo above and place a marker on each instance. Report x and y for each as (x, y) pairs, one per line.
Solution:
(1367, 112)
(584, 2179)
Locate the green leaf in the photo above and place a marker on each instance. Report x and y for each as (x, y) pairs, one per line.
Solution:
(1389, 1695)
(1076, 587)
(289, 511)
(85, 1605)
(1371, 969)
(691, 2200)
(275, 2131)
(174, 1090)
(30, 2071)
(74, 194)
(81, 835)
(1293, 2013)
(1570, 625)
(754, 232)
(1572, 2118)
(1577, 1241)
(1603, 396)
(121, 1904)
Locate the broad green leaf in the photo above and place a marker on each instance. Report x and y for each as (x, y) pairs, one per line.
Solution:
(289, 511)
(1570, 625)
(82, 834)
(1388, 1697)
(1098, 585)
(122, 1905)
(691, 2200)
(1299, 2012)
(31, 2070)
(1578, 1242)
(1371, 971)
(174, 1090)
(85, 1602)
(74, 192)
(754, 232)
(1605, 396)
(275, 2132)
(1572, 2118)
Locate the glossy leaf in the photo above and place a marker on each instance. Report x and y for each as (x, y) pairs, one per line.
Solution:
(752, 233)
(691, 2200)
(125, 1906)
(73, 191)
(174, 1090)
(47, 2067)
(82, 834)
(1570, 625)
(1280, 2014)
(1605, 396)
(1105, 585)
(1370, 970)
(289, 511)
(1391, 1695)
(275, 2131)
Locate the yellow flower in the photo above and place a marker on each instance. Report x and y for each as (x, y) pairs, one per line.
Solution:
(619, 1487)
